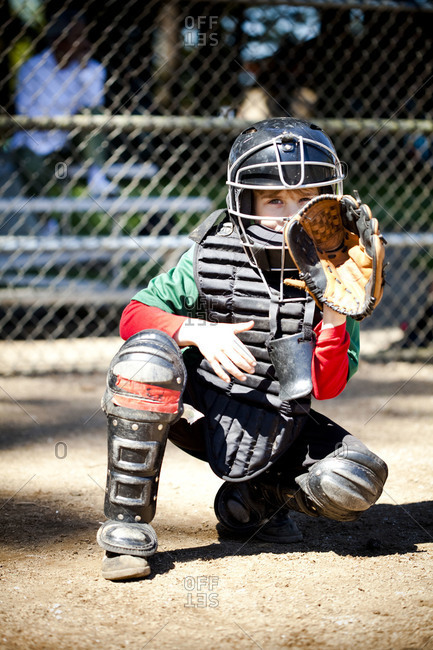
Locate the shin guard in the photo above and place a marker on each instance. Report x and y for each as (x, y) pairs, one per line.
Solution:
(145, 383)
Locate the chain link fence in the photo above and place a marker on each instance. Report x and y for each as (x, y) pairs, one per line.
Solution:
(116, 124)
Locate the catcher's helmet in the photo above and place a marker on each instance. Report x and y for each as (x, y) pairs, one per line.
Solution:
(277, 154)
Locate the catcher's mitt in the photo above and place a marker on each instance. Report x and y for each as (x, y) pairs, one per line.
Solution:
(339, 251)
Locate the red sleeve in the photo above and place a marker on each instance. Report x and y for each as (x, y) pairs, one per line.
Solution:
(330, 363)
(138, 316)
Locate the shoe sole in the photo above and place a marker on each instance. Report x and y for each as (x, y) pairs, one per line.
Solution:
(124, 567)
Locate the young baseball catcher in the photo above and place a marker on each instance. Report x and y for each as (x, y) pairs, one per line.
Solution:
(224, 352)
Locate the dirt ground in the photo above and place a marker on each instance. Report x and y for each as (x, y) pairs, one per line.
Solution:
(367, 584)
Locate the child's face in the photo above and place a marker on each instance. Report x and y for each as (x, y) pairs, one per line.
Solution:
(280, 204)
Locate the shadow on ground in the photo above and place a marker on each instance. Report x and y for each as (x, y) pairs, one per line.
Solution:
(384, 530)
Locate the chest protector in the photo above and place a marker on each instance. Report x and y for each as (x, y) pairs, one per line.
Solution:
(251, 423)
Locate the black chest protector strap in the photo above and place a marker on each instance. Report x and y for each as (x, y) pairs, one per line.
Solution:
(292, 355)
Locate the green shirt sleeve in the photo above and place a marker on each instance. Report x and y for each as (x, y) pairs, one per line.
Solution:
(352, 327)
(175, 291)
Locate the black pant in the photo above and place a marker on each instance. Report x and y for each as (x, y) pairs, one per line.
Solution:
(319, 437)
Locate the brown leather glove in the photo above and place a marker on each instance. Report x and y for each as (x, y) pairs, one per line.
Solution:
(339, 252)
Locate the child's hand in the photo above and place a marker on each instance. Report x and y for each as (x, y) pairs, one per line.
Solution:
(219, 344)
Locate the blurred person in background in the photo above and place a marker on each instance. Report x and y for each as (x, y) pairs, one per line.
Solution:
(61, 80)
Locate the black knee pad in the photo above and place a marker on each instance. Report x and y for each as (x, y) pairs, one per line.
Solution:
(146, 379)
(342, 485)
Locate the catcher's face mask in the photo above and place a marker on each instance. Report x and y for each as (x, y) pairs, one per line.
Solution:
(277, 154)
